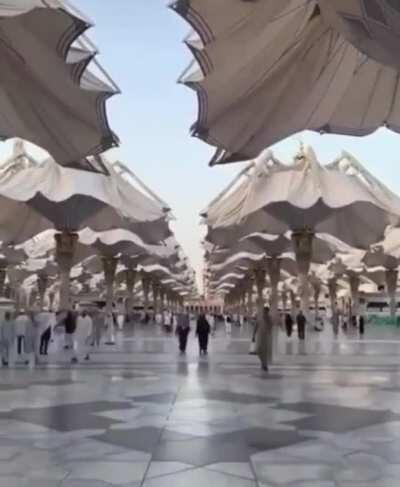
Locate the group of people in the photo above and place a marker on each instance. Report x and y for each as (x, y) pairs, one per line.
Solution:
(301, 323)
(203, 331)
(26, 336)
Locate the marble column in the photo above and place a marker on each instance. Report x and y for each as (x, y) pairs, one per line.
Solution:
(284, 299)
(3, 275)
(391, 276)
(65, 249)
(162, 298)
(293, 310)
(155, 287)
(354, 281)
(303, 246)
(130, 279)
(274, 273)
(51, 300)
(273, 266)
(109, 269)
(32, 298)
(317, 292)
(260, 281)
(250, 299)
(42, 283)
(332, 288)
(146, 282)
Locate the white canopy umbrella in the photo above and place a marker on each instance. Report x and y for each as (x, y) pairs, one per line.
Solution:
(270, 69)
(340, 199)
(372, 27)
(47, 93)
(50, 196)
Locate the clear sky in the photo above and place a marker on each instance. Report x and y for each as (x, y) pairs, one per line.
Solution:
(140, 43)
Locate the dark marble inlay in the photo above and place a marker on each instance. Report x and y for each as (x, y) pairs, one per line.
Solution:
(163, 398)
(143, 439)
(228, 447)
(69, 417)
(335, 419)
(22, 386)
(174, 447)
(226, 396)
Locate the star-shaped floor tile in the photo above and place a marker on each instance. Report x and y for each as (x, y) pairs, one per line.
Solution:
(335, 419)
(68, 417)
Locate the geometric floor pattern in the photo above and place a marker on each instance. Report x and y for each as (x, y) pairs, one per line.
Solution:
(193, 422)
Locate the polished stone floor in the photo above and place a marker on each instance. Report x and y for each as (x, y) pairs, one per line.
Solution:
(138, 414)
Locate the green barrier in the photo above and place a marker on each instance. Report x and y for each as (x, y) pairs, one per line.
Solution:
(384, 320)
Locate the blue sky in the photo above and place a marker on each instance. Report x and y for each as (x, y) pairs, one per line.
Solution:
(140, 43)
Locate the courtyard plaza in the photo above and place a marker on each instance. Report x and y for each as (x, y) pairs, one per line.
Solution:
(140, 414)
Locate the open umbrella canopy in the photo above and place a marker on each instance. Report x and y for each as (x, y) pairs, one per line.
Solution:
(341, 199)
(371, 26)
(47, 93)
(270, 69)
(46, 196)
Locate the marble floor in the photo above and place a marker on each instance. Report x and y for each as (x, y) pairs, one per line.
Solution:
(138, 414)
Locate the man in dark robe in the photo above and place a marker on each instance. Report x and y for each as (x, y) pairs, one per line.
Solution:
(289, 324)
(183, 330)
(203, 331)
(301, 325)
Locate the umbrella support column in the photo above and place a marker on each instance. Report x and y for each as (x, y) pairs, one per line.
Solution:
(130, 278)
(51, 299)
(146, 288)
(162, 299)
(263, 351)
(65, 250)
(332, 287)
(354, 280)
(303, 245)
(155, 286)
(317, 292)
(292, 304)
(250, 301)
(3, 275)
(391, 276)
(42, 284)
(109, 268)
(32, 299)
(274, 274)
(17, 293)
(284, 302)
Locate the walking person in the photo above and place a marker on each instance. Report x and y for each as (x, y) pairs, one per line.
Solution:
(44, 321)
(301, 325)
(21, 323)
(83, 334)
(228, 324)
(361, 324)
(263, 330)
(98, 327)
(70, 327)
(211, 320)
(7, 339)
(203, 331)
(182, 331)
(110, 329)
(288, 324)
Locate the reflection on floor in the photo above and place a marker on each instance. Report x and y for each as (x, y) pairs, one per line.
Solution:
(153, 419)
